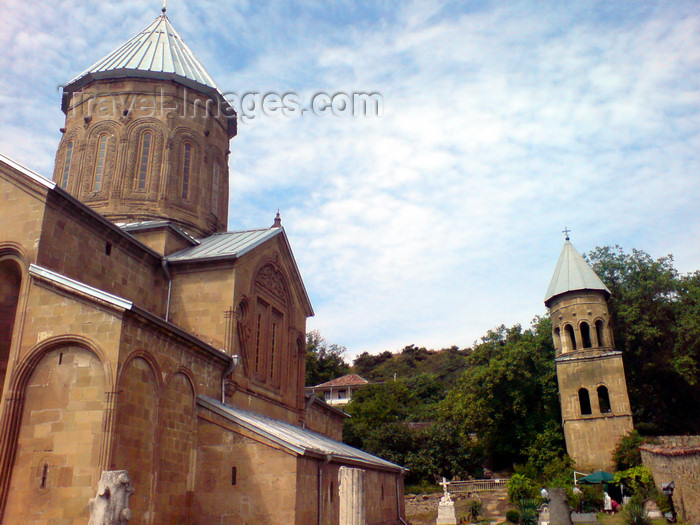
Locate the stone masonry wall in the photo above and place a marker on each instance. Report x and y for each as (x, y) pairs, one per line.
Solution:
(677, 459)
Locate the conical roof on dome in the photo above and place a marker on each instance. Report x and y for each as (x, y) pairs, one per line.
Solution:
(572, 273)
(156, 52)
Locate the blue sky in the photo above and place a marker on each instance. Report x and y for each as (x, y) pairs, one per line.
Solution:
(503, 122)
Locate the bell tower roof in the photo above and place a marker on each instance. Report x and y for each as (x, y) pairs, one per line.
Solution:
(572, 273)
(157, 52)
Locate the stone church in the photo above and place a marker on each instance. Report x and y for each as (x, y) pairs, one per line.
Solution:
(137, 333)
(595, 406)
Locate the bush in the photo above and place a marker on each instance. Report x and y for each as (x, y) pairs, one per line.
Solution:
(527, 508)
(633, 514)
(513, 516)
(637, 480)
(521, 488)
(626, 454)
(592, 496)
(474, 509)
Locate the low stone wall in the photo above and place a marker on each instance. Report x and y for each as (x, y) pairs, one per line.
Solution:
(677, 459)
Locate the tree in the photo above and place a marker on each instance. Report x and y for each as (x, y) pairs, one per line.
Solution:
(323, 361)
(508, 393)
(656, 321)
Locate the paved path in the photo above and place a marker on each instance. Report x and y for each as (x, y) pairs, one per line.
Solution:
(559, 513)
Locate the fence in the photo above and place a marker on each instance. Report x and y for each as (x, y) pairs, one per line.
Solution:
(477, 485)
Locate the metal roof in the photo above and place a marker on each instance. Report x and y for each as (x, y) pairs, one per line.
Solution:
(156, 52)
(77, 286)
(27, 172)
(296, 439)
(572, 273)
(225, 245)
(155, 224)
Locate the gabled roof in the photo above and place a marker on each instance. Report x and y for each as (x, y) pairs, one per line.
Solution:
(225, 245)
(235, 244)
(346, 380)
(572, 273)
(295, 439)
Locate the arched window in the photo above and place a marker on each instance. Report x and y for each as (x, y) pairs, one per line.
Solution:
(215, 188)
(603, 399)
(99, 162)
(144, 159)
(585, 334)
(557, 339)
(186, 168)
(584, 401)
(600, 332)
(570, 337)
(66, 165)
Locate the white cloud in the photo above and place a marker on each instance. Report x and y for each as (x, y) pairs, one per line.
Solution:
(440, 219)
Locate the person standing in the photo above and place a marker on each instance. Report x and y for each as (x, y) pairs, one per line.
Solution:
(544, 494)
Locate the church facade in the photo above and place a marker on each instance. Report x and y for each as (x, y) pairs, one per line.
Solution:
(137, 334)
(593, 396)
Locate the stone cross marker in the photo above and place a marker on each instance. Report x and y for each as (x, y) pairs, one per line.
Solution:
(111, 505)
(446, 508)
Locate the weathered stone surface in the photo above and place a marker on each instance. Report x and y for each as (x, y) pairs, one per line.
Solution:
(111, 505)
(351, 486)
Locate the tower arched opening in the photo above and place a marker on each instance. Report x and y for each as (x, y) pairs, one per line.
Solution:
(585, 334)
(604, 399)
(570, 337)
(584, 402)
(600, 332)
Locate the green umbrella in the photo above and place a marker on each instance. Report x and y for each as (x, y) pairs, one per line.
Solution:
(597, 477)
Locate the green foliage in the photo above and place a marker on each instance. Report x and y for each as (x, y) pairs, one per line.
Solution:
(507, 397)
(474, 510)
(637, 480)
(592, 496)
(559, 472)
(512, 516)
(381, 424)
(633, 514)
(323, 361)
(446, 365)
(527, 509)
(545, 454)
(655, 315)
(626, 453)
(521, 488)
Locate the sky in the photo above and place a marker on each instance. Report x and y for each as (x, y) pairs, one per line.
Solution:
(501, 123)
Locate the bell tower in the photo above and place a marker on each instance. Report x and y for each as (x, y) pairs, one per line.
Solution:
(595, 406)
(146, 138)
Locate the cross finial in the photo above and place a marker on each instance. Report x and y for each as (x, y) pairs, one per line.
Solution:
(566, 231)
(165, 6)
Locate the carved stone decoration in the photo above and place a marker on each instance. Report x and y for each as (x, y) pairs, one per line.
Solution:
(272, 280)
(446, 507)
(111, 505)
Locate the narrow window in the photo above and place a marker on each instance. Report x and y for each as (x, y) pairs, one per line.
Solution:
(584, 401)
(604, 399)
(215, 189)
(44, 476)
(144, 160)
(233, 475)
(599, 330)
(100, 162)
(66, 165)
(186, 166)
(257, 344)
(570, 337)
(585, 334)
(272, 349)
